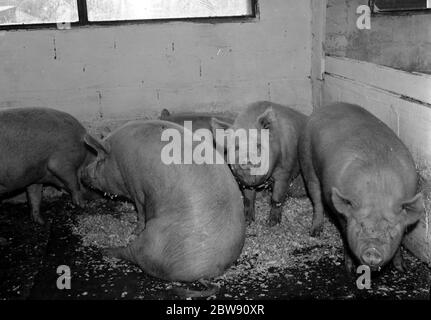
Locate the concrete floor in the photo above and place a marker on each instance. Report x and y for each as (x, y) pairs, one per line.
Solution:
(29, 260)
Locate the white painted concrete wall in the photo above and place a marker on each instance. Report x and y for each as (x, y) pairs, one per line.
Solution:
(136, 70)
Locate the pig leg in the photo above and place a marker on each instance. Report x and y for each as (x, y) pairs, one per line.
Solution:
(316, 198)
(349, 263)
(312, 184)
(314, 190)
(249, 200)
(67, 174)
(34, 197)
(398, 261)
(145, 250)
(278, 196)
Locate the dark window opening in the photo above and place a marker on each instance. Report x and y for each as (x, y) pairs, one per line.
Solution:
(399, 5)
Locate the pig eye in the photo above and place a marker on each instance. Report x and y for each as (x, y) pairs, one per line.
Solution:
(100, 162)
(348, 202)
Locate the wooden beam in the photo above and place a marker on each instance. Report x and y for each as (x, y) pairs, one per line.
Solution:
(318, 27)
(415, 86)
(82, 11)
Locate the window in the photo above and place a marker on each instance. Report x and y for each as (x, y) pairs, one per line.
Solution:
(37, 11)
(399, 5)
(105, 10)
(42, 12)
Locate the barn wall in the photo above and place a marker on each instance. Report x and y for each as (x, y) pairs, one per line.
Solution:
(136, 70)
(398, 41)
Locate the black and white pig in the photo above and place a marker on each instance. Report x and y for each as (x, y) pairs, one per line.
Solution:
(41, 146)
(285, 126)
(360, 172)
(191, 224)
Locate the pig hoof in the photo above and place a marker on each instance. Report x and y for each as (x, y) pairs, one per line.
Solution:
(249, 219)
(39, 221)
(111, 253)
(3, 242)
(316, 231)
(400, 266)
(349, 265)
(273, 221)
(77, 205)
(78, 201)
(138, 230)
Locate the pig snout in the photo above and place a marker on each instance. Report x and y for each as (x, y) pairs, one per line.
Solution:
(247, 167)
(372, 257)
(242, 171)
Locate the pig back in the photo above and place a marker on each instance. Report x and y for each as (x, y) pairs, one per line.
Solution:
(30, 137)
(38, 129)
(348, 142)
(200, 120)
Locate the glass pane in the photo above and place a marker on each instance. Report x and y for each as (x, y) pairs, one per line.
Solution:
(99, 10)
(401, 4)
(37, 11)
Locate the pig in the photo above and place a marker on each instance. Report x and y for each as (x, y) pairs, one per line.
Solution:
(191, 224)
(359, 172)
(285, 126)
(201, 120)
(41, 146)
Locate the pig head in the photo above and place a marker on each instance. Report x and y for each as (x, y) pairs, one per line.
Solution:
(375, 220)
(103, 173)
(242, 165)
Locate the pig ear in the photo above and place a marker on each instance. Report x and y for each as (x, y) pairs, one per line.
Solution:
(413, 209)
(341, 203)
(267, 119)
(165, 113)
(101, 148)
(218, 124)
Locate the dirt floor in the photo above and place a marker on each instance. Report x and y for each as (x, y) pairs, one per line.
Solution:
(282, 262)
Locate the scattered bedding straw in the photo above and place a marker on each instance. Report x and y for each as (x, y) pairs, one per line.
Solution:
(287, 245)
(265, 250)
(101, 229)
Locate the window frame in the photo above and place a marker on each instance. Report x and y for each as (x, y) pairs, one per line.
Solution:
(84, 22)
(398, 12)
